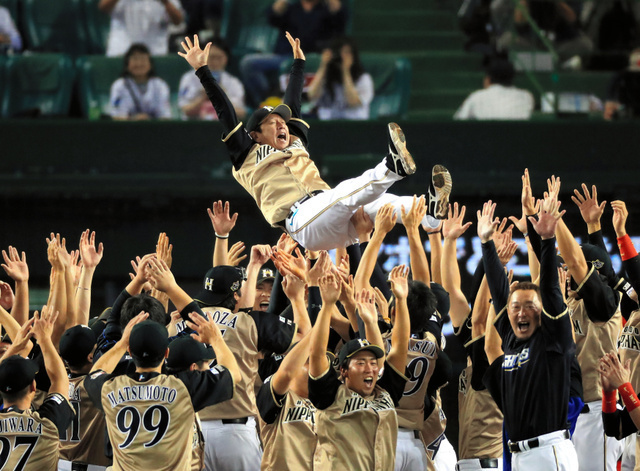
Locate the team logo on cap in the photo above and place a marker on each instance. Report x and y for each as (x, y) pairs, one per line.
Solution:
(235, 286)
(598, 264)
(208, 283)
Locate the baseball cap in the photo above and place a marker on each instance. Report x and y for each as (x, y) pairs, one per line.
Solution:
(265, 274)
(357, 345)
(600, 259)
(76, 343)
(261, 114)
(16, 373)
(219, 283)
(186, 350)
(148, 340)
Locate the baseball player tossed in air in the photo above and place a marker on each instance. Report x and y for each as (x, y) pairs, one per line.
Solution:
(535, 328)
(271, 161)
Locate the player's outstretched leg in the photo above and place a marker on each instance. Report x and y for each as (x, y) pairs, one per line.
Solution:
(399, 159)
(439, 192)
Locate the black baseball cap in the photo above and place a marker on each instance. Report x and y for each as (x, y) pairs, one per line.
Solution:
(76, 344)
(265, 274)
(186, 350)
(601, 260)
(148, 341)
(16, 373)
(357, 345)
(261, 114)
(219, 283)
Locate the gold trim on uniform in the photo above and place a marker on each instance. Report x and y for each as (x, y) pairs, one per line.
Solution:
(298, 120)
(566, 310)
(585, 279)
(226, 138)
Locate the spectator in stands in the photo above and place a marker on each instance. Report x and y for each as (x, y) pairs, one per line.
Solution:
(141, 21)
(558, 21)
(138, 94)
(314, 22)
(623, 98)
(341, 87)
(193, 100)
(202, 16)
(499, 99)
(9, 36)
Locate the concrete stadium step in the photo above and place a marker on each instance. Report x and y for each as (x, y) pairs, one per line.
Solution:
(428, 80)
(442, 114)
(403, 20)
(444, 5)
(382, 41)
(443, 61)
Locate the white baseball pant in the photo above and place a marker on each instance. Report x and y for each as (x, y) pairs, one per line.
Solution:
(555, 453)
(596, 451)
(629, 452)
(474, 464)
(64, 465)
(231, 447)
(323, 222)
(446, 459)
(410, 452)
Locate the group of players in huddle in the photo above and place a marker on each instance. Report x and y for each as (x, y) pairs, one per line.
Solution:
(330, 365)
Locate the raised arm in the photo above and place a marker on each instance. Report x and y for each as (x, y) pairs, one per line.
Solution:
(57, 301)
(385, 220)
(492, 340)
(294, 289)
(162, 279)
(318, 362)
(208, 332)
(90, 257)
(365, 301)
(411, 220)
(164, 252)
(397, 356)
(223, 223)
(17, 268)
(43, 327)
(453, 227)
(615, 376)
(260, 254)
(496, 278)
(293, 93)
(111, 358)
(590, 210)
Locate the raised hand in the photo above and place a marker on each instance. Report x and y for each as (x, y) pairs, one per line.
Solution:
(385, 219)
(234, 255)
(293, 287)
(15, 266)
(287, 264)
(329, 289)
(362, 224)
(88, 254)
(64, 256)
(620, 215)
(548, 218)
(412, 218)
(7, 297)
(553, 188)
(381, 303)
(221, 220)
(506, 251)
(207, 330)
(453, 227)
(159, 275)
(365, 300)
(399, 281)
(295, 46)
(526, 197)
(195, 56)
(43, 323)
(588, 205)
(126, 333)
(487, 224)
(322, 267)
(23, 335)
(286, 243)
(53, 254)
(164, 250)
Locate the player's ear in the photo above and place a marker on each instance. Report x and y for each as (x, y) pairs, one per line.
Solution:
(166, 353)
(32, 386)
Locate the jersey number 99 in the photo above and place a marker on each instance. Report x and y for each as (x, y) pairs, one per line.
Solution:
(128, 422)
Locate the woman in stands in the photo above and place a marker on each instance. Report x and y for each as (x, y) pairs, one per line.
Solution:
(341, 86)
(138, 94)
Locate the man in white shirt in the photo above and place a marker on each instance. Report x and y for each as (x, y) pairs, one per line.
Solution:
(499, 99)
(140, 21)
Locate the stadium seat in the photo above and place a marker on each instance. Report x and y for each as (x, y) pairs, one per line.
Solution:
(38, 81)
(171, 68)
(245, 27)
(97, 24)
(95, 76)
(97, 73)
(391, 77)
(54, 26)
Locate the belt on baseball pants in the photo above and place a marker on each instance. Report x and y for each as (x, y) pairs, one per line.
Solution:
(242, 420)
(79, 467)
(282, 224)
(485, 463)
(542, 440)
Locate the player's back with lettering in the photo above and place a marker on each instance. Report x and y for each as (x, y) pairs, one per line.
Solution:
(29, 439)
(150, 421)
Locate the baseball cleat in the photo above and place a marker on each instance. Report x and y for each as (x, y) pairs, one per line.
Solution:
(439, 192)
(399, 159)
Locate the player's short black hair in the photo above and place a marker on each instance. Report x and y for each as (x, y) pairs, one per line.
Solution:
(422, 304)
(175, 370)
(142, 302)
(525, 285)
(8, 398)
(137, 48)
(147, 362)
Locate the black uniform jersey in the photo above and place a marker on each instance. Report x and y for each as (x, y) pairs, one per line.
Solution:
(535, 373)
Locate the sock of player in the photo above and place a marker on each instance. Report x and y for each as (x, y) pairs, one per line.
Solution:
(628, 396)
(609, 401)
(627, 250)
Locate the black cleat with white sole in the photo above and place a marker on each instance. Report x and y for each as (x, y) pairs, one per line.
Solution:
(439, 192)
(399, 160)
